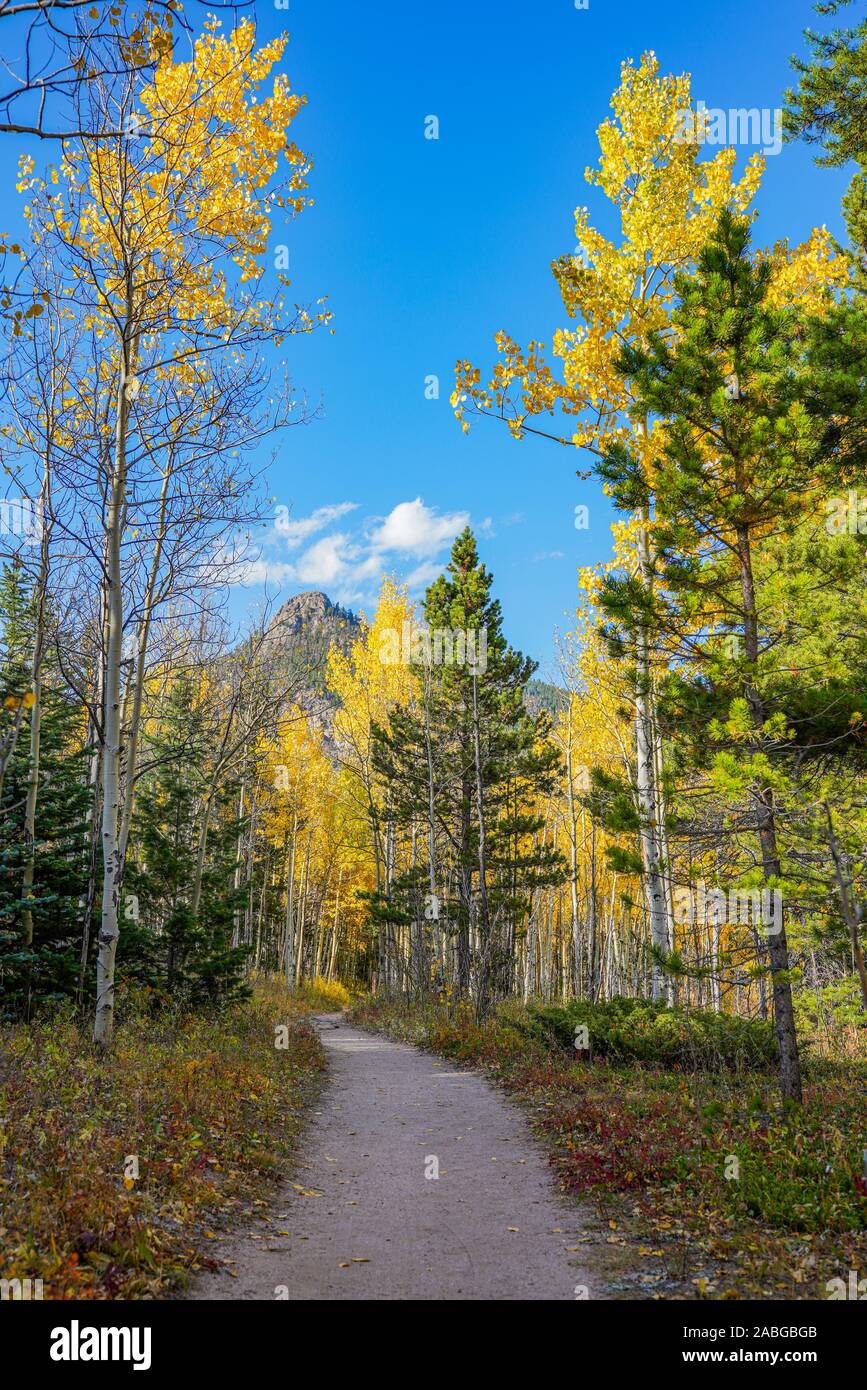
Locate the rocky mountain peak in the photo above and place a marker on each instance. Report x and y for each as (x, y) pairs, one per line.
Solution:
(308, 612)
(300, 634)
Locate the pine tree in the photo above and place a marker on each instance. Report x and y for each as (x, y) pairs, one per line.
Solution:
(467, 758)
(165, 943)
(740, 464)
(44, 968)
(829, 108)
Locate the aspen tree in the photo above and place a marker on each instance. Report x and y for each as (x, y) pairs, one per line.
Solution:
(667, 199)
(163, 226)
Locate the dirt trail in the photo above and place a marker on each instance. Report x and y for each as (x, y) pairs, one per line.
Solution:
(381, 1229)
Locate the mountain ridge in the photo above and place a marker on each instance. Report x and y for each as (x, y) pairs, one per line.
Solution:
(305, 627)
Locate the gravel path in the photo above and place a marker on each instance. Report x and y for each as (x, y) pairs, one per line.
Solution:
(490, 1226)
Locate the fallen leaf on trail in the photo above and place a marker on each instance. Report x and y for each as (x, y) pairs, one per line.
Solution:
(344, 1264)
(511, 1228)
(360, 1260)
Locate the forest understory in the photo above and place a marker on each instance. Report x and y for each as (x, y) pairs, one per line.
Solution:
(114, 1179)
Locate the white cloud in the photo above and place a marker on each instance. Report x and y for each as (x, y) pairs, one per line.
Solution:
(293, 532)
(264, 572)
(348, 565)
(425, 573)
(323, 563)
(411, 528)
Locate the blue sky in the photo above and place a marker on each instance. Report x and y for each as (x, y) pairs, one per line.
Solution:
(425, 248)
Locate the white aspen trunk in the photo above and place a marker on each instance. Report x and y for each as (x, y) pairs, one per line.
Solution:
(137, 693)
(573, 855)
(94, 782)
(260, 919)
(565, 958)
(35, 712)
(593, 918)
(236, 879)
(530, 958)
(612, 931)
(415, 968)
(549, 951)
(432, 854)
(321, 928)
(289, 942)
(483, 922)
(334, 930)
(299, 960)
(109, 931)
(648, 807)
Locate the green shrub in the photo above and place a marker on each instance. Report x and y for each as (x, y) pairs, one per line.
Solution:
(801, 1171)
(642, 1030)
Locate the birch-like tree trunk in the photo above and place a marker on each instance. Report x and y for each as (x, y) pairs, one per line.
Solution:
(27, 879)
(109, 931)
(289, 943)
(649, 802)
(573, 854)
(332, 958)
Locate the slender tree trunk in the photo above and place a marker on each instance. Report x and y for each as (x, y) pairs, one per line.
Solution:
(484, 925)
(136, 694)
(94, 810)
(432, 851)
(851, 908)
(648, 801)
(334, 930)
(465, 880)
(299, 962)
(573, 855)
(763, 801)
(289, 944)
(36, 711)
(109, 930)
(239, 859)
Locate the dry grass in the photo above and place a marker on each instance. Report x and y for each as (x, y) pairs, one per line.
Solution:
(207, 1107)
